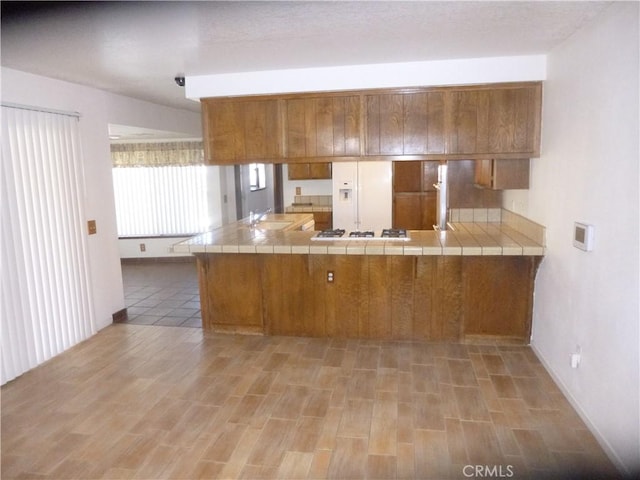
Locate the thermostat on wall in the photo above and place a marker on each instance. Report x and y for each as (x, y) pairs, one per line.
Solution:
(583, 236)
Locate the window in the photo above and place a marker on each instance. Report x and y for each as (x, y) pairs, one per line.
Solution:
(257, 177)
(156, 201)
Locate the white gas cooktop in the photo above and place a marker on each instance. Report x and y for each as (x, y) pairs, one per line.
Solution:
(387, 234)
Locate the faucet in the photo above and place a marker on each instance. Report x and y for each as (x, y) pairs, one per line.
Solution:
(254, 217)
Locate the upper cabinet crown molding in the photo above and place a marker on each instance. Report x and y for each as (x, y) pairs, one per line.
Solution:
(462, 122)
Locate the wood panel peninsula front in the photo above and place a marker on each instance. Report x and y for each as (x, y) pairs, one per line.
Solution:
(469, 283)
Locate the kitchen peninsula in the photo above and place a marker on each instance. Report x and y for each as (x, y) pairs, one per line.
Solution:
(472, 282)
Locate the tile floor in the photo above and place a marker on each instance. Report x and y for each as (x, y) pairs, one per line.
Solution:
(154, 401)
(162, 294)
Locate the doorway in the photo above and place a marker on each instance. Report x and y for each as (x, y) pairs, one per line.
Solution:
(258, 188)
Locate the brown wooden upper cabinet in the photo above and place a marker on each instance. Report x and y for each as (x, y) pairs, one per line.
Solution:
(241, 130)
(481, 122)
(405, 123)
(499, 120)
(502, 174)
(309, 171)
(322, 126)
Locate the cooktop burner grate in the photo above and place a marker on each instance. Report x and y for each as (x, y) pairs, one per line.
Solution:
(394, 233)
(367, 234)
(388, 234)
(335, 233)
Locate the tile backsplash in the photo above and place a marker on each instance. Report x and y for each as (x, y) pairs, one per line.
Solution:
(527, 227)
(521, 224)
(317, 200)
(458, 215)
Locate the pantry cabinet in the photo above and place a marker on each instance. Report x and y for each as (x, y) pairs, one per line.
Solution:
(414, 194)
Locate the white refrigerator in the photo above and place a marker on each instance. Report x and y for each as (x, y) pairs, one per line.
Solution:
(362, 195)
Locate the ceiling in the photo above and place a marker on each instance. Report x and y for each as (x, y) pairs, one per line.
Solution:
(138, 48)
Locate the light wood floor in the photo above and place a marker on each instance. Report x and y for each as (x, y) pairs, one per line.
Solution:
(153, 402)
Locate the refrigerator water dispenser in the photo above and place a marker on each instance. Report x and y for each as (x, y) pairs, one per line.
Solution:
(345, 192)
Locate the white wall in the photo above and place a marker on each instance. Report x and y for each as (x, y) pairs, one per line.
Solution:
(384, 75)
(154, 247)
(308, 187)
(588, 172)
(98, 109)
(137, 113)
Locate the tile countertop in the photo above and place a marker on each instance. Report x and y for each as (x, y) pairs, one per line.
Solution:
(465, 238)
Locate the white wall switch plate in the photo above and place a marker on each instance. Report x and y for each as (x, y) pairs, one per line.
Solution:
(583, 236)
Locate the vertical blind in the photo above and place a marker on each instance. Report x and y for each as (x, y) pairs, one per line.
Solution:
(46, 298)
(167, 200)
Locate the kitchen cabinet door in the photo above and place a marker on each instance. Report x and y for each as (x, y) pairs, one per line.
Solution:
(298, 171)
(405, 123)
(309, 171)
(240, 130)
(319, 171)
(423, 123)
(407, 176)
(407, 211)
(502, 174)
(429, 175)
(415, 176)
(323, 126)
(415, 211)
(501, 120)
(231, 292)
(429, 210)
(414, 196)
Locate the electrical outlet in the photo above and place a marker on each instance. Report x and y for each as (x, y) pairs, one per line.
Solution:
(91, 227)
(143, 247)
(330, 276)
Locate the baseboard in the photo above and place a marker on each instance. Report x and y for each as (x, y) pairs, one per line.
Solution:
(583, 416)
(493, 340)
(120, 316)
(139, 260)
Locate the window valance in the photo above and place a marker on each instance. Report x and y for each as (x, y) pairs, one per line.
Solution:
(157, 154)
